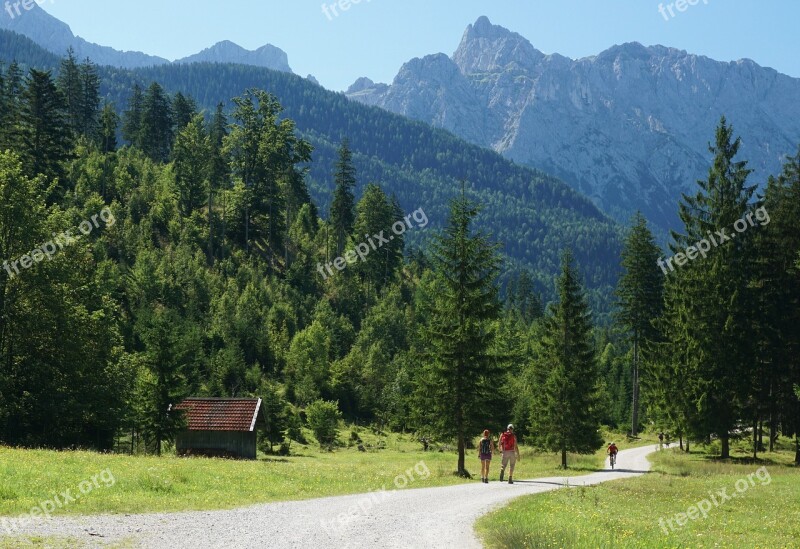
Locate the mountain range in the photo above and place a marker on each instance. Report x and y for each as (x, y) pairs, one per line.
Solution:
(629, 127)
(56, 37)
(534, 216)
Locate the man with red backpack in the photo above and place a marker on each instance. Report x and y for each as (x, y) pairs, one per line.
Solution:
(510, 449)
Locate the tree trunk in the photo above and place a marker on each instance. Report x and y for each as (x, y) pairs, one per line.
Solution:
(462, 471)
(210, 224)
(726, 446)
(563, 458)
(635, 403)
(246, 228)
(797, 449)
(797, 435)
(755, 439)
(680, 441)
(773, 430)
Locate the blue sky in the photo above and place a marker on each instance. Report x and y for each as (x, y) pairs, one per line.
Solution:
(375, 37)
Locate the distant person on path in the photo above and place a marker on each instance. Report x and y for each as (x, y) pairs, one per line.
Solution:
(485, 451)
(667, 440)
(660, 440)
(510, 450)
(612, 451)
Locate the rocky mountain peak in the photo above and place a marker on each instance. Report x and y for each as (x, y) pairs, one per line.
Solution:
(267, 56)
(486, 47)
(361, 84)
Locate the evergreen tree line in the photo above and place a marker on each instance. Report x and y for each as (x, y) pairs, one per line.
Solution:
(714, 342)
(532, 214)
(207, 285)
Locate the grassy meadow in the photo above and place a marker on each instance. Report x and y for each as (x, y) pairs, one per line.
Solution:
(168, 483)
(635, 513)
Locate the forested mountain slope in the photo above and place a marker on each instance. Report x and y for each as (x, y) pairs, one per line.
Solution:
(534, 215)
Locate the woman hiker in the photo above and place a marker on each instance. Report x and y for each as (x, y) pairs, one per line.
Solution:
(485, 451)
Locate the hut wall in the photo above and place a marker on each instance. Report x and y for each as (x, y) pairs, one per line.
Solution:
(217, 444)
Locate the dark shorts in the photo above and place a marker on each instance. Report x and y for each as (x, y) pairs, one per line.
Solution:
(486, 457)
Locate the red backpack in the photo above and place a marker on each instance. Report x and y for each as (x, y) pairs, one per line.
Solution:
(508, 441)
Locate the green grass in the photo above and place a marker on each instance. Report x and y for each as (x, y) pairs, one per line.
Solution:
(162, 484)
(49, 542)
(626, 514)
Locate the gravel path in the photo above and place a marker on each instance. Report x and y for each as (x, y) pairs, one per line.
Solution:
(411, 518)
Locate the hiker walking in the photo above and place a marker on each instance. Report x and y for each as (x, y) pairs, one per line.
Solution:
(485, 451)
(510, 450)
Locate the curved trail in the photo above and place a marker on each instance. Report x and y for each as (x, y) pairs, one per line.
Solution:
(412, 518)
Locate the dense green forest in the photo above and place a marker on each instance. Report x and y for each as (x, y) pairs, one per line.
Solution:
(531, 214)
(165, 252)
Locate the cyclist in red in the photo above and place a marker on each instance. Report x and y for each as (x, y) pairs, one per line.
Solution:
(612, 451)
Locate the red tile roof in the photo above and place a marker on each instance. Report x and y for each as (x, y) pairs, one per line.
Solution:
(220, 414)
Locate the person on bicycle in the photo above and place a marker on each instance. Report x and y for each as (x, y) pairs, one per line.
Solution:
(612, 452)
(485, 451)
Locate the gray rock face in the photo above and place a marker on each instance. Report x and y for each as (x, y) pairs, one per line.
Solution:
(629, 127)
(56, 37)
(267, 56)
(366, 91)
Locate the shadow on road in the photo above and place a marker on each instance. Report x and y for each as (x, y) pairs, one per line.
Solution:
(539, 482)
(624, 471)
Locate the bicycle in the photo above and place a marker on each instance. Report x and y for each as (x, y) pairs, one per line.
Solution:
(612, 459)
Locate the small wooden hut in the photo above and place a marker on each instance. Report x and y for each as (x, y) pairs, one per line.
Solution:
(220, 427)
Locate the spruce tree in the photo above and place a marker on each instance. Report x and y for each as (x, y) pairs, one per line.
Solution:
(69, 84)
(46, 137)
(641, 299)
(461, 374)
(191, 155)
(342, 214)
(564, 414)
(709, 297)
(265, 153)
(164, 334)
(107, 131)
(375, 216)
(219, 169)
(89, 103)
(778, 284)
(10, 131)
(132, 117)
(184, 109)
(5, 111)
(156, 131)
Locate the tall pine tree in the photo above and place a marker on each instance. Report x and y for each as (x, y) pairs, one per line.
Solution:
(564, 416)
(460, 372)
(641, 299)
(342, 214)
(709, 297)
